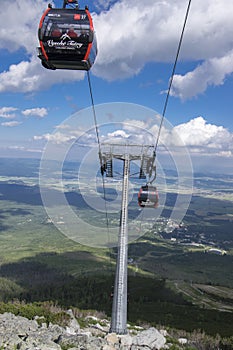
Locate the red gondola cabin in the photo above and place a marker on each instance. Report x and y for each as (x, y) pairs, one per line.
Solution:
(148, 197)
(67, 39)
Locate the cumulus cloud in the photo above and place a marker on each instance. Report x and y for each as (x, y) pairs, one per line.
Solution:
(210, 72)
(132, 124)
(28, 76)
(35, 112)
(131, 25)
(136, 34)
(11, 124)
(118, 134)
(8, 112)
(19, 21)
(125, 133)
(200, 137)
(197, 137)
(57, 137)
(63, 127)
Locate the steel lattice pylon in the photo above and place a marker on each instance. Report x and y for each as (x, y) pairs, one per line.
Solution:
(119, 308)
(126, 153)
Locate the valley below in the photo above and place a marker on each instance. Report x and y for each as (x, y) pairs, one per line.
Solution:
(180, 274)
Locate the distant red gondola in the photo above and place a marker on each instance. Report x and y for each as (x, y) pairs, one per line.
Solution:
(67, 38)
(148, 197)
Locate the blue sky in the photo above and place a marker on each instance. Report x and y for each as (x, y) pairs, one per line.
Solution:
(137, 43)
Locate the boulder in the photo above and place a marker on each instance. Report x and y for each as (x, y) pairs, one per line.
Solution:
(150, 338)
(72, 340)
(125, 341)
(73, 326)
(112, 339)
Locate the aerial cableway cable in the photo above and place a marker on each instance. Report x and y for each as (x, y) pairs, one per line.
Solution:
(100, 157)
(172, 75)
(94, 115)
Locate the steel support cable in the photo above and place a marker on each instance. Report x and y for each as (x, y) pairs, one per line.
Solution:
(100, 157)
(172, 75)
(94, 114)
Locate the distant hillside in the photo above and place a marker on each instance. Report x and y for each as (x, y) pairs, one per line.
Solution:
(173, 280)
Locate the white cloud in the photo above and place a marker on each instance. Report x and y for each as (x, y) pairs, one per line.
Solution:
(197, 135)
(211, 72)
(202, 140)
(23, 148)
(126, 133)
(16, 148)
(129, 34)
(28, 76)
(68, 133)
(132, 124)
(57, 138)
(118, 134)
(131, 131)
(226, 154)
(200, 137)
(19, 20)
(7, 112)
(131, 25)
(11, 124)
(37, 112)
(63, 127)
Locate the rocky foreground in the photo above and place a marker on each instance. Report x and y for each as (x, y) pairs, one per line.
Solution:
(18, 332)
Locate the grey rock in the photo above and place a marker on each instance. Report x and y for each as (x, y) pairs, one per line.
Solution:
(32, 345)
(95, 344)
(72, 340)
(73, 326)
(19, 333)
(125, 341)
(150, 338)
(108, 347)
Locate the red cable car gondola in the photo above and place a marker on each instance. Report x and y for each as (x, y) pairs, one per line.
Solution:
(148, 197)
(67, 38)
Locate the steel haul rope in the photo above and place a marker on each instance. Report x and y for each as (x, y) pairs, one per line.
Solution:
(100, 157)
(94, 114)
(172, 75)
